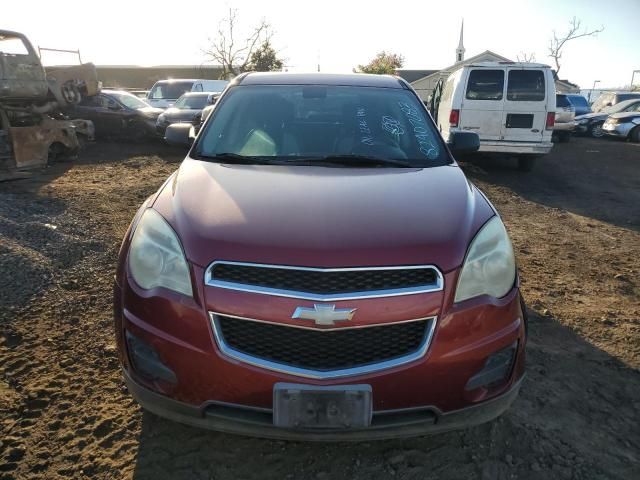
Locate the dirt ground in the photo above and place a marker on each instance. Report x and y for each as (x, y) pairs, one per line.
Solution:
(64, 411)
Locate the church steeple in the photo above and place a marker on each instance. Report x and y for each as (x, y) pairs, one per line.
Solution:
(460, 49)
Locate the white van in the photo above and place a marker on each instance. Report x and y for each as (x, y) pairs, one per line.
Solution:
(511, 106)
(165, 92)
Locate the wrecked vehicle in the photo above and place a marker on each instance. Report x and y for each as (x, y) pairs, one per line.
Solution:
(22, 76)
(31, 140)
(32, 129)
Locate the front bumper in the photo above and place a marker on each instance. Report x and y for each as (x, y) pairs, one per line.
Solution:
(620, 130)
(179, 330)
(525, 148)
(248, 421)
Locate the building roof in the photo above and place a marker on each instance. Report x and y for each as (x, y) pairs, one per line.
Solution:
(413, 75)
(475, 58)
(350, 79)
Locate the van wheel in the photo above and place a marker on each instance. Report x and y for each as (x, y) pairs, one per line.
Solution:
(596, 130)
(565, 137)
(634, 136)
(526, 163)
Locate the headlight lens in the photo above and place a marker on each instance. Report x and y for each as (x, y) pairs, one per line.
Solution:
(490, 266)
(155, 256)
(584, 121)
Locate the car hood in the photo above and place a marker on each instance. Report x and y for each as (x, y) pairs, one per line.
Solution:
(150, 111)
(324, 217)
(626, 115)
(180, 114)
(593, 116)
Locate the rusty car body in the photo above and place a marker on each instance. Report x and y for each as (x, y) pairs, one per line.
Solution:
(32, 142)
(32, 129)
(23, 78)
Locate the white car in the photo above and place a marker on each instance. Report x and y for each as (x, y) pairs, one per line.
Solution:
(165, 92)
(511, 106)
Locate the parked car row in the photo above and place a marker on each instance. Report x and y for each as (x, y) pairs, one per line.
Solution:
(592, 124)
(123, 114)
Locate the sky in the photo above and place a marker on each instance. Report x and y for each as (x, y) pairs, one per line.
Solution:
(340, 34)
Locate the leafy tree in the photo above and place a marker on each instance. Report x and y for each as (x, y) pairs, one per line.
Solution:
(265, 59)
(383, 63)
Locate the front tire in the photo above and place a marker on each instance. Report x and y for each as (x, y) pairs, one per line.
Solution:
(595, 130)
(634, 136)
(526, 163)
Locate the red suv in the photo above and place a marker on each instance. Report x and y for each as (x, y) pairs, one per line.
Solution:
(320, 268)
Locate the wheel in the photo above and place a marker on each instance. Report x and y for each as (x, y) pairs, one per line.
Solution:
(71, 93)
(57, 151)
(564, 137)
(526, 163)
(595, 130)
(634, 135)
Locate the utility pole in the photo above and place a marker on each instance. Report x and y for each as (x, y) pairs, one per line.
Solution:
(633, 74)
(592, 88)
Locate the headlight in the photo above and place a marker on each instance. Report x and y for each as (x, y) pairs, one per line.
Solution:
(490, 266)
(161, 118)
(156, 258)
(584, 121)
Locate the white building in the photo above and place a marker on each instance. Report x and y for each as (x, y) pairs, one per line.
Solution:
(424, 81)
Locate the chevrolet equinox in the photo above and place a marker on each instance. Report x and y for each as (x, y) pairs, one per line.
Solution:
(320, 268)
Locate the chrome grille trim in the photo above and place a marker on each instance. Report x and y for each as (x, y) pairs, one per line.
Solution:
(211, 281)
(230, 352)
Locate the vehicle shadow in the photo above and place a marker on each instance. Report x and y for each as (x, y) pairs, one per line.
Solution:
(596, 178)
(573, 398)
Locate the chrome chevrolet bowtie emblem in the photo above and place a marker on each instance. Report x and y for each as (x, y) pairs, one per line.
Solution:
(324, 314)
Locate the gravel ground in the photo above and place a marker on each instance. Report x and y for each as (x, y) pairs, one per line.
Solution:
(64, 412)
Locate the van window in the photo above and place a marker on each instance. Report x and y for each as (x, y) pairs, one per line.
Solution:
(447, 91)
(485, 85)
(525, 86)
(169, 90)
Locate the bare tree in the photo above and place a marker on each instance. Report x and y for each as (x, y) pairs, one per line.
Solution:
(232, 54)
(526, 57)
(557, 43)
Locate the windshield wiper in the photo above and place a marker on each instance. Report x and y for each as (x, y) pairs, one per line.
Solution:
(239, 159)
(353, 160)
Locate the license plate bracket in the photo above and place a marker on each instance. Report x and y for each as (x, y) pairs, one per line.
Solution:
(297, 406)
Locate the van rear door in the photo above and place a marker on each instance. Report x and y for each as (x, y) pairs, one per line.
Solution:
(525, 106)
(482, 104)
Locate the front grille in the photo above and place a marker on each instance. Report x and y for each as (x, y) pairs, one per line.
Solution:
(324, 281)
(319, 350)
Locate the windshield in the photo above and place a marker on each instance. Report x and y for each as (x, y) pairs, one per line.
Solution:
(311, 121)
(618, 107)
(130, 101)
(191, 102)
(169, 90)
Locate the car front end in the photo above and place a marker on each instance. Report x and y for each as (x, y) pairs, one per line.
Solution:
(620, 125)
(295, 301)
(585, 123)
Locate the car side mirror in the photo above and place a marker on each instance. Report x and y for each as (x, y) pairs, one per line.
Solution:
(463, 142)
(113, 106)
(179, 134)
